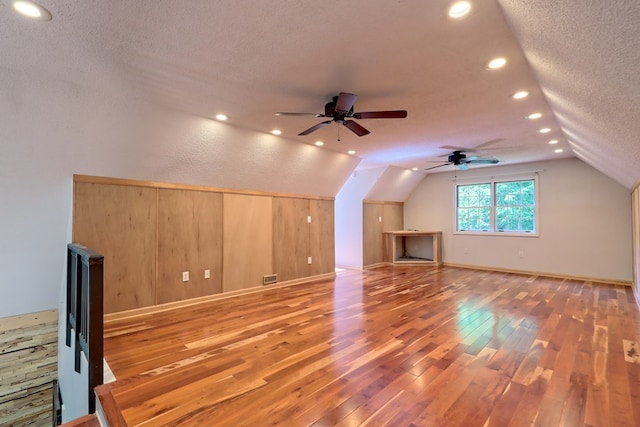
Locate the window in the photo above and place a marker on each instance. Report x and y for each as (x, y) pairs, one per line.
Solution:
(474, 207)
(497, 207)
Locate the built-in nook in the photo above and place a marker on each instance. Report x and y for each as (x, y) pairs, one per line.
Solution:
(412, 247)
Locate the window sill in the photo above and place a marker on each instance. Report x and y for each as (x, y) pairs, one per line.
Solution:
(496, 233)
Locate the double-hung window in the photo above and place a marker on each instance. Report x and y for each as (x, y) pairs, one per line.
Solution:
(500, 207)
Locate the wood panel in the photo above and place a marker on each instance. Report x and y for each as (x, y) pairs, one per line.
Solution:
(393, 216)
(189, 239)
(391, 346)
(291, 245)
(120, 223)
(192, 187)
(247, 241)
(28, 365)
(372, 238)
(144, 259)
(322, 236)
(635, 201)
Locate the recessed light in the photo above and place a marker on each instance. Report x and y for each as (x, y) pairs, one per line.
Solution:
(352, 152)
(496, 63)
(29, 9)
(559, 150)
(544, 130)
(414, 169)
(276, 131)
(319, 143)
(553, 142)
(221, 117)
(520, 95)
(534, 116)
(459, 9)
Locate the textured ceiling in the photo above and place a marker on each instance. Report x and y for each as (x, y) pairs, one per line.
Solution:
(579, 61)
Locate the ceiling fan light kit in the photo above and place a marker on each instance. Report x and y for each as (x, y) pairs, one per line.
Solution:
(340, 110)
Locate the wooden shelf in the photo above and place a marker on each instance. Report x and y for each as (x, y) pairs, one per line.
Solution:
(403, 247)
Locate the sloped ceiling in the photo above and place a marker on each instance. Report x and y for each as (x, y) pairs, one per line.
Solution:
(578, 60)
(586, 58)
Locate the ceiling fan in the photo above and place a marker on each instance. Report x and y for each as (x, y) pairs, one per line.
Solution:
(459, 159)
(340, 110)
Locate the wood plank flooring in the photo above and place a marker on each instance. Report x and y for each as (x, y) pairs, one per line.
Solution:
(403, 346)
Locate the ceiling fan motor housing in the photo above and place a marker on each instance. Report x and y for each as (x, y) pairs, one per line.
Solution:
(330, 110)
(456, 157)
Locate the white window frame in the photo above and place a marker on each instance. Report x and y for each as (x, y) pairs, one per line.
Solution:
(492, 231)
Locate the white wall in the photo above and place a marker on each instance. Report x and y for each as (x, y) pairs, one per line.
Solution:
(348, 221)
(51, 130)
(585, 223)
(395, 184)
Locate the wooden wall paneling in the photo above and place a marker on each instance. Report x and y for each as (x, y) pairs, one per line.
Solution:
(120, 223)
(247, 240)
(392, 220)
(322, 236)
(393, 216)
(635, 225)
(372, 238)
(189, 239)
(291, 238)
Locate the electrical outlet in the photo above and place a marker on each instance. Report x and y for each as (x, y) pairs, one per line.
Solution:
(308, 219)
(465, 251)
(379, 219)
(185, 276)
(309, 260)
(521, 254)
(207, 274)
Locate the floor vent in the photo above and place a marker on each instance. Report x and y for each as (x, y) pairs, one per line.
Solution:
(268, 280)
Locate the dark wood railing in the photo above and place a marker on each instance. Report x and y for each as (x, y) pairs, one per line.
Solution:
(85, 312)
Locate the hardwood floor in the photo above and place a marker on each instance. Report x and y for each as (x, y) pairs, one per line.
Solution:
(396, 346)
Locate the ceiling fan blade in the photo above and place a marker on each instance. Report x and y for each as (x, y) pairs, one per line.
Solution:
(395, 114)
(463, 166)
(345, 102)
(280, 113)
(479, 161)
(485, 144)
(355, 128)
(315, 128)
(439, 166)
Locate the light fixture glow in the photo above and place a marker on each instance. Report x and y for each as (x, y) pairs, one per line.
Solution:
(414, 169)
(352, 152)
(276, 131)
(459, 9)
(319, 143)
(553, 142)
(496, 63)
(221, 117)
(544, 130)
(520, 95)
(30, 9)
(559, 150)
(534, 116)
